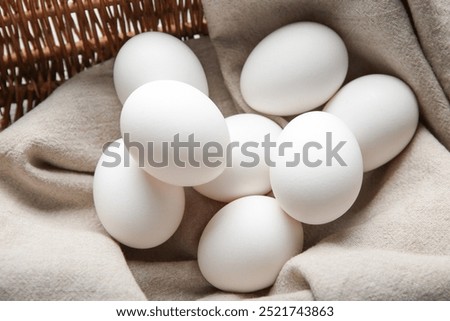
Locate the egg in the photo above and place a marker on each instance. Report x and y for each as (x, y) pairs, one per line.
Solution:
(156, 56)
(175, 133)
(383, 113)
(134, 208)
(247, 171)
(294, 69)
(246, 243)
(319, 168)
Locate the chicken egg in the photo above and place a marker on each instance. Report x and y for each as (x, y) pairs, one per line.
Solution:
(246, 243)
(294, 69)
(382, 112)
(134, 208)
(248, 170)
(319, 168)
(175, 132)
(152, 56)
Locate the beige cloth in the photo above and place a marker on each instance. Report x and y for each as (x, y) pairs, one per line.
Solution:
(393, 244)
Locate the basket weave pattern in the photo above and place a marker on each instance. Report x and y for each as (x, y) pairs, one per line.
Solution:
(45, 42)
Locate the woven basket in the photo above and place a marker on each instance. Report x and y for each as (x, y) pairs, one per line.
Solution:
(45, 42)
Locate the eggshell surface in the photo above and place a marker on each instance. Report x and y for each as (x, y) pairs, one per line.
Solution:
(134, 208)
(382, 112)
(294, 69)
(246, 243)
(156, 56)
(248, 170)
(319, 177)
(160, 118)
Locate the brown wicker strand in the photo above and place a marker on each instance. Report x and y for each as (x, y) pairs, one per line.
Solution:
(45, 42)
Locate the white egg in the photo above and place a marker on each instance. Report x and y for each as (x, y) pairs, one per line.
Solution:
(156, 56)
(382, 112)
(246, 243)
(318, 174)
(247, 171)
(294, 69)
(135, 208)
(175, 132)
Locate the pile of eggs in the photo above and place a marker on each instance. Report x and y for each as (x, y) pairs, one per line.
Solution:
(139, 180)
